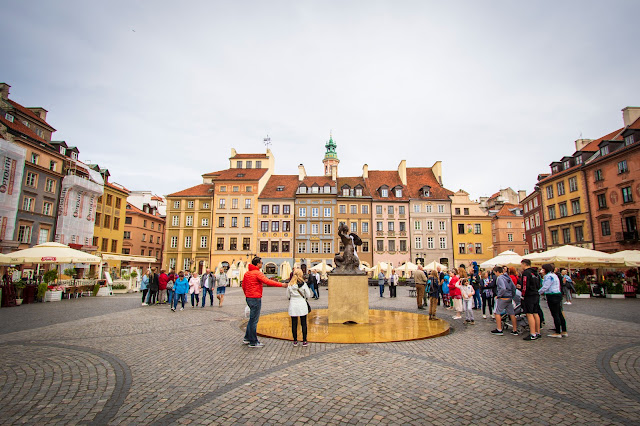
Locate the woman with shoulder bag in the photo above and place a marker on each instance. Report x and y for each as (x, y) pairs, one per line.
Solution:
(298, 292)
(195, 289)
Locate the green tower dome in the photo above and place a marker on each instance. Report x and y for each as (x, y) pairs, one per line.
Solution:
(331, 149)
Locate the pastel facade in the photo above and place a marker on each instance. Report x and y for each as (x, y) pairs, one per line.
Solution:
(143, 235)
(471, 226)
(534, 222)
(354, 210)
(507, 230)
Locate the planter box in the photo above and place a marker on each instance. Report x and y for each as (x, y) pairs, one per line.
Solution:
(120, 291)
(53, 296)
(104, 291)
(18, 302)
(582, 296)
(615, 296)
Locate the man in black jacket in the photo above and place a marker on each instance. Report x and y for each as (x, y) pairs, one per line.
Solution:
(531, 298)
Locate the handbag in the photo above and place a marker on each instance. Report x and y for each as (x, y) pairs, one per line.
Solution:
(170, 285)
(305, 299)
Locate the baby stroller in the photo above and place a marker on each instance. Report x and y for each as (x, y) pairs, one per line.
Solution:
(521, 319)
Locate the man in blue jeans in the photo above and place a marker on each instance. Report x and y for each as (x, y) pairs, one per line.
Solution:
(252, 287)
(207, 283)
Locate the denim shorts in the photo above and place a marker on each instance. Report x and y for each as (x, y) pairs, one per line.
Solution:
(220, 290)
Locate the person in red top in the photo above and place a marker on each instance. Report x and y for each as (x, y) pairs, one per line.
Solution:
(455, 292)
(163, 279)
(252, 287)
(513, 274)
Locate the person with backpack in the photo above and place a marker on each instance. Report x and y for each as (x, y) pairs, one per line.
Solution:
(433, 289)
(181, 287)
(476, 283)
(531, 299)
(567, 286)
(467, 301)
(445, 292)
(421, 283)
(505, 291)
(488, 286)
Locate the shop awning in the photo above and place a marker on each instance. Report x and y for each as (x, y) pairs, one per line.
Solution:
(129, 258)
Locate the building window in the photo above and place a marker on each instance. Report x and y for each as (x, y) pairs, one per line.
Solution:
(429, 225)
(390, 210)
(575, 206)
(417, 225)
(554, 237)
(461, 228)
(49, 185)
(275, 226)
(233, 243)
(221, 222)
(127, 235)
(44, 236)
(205, 221)
(114, 246)
(443, 243)
(302, 228)
(378, 209)
(442, 225)
(573, 184)
(107, 221)
(264, 226)
(302, 247)
(247, 203)
(466, 211)
(247, 222)
(457, 210)
(510, 237)
(477, 228)
(364, 209)
(354, 226)
(234, 203)
(440, 208)
(315, 212)
(285, 247)
(579, 233)
(537, 216)
(203, 241)
(205, 206)
(428, 208)
(379, 226)
(384, 192)
(526, 224)
(418, 243)
(265, 209)
(598, 175)
(365, 227)
(315, 247)
(286, 209)
(562, 209)
(462, 248)
(175, 221)
(234, 221)
(392, 245)
(275, 246)
(627, 195)
(602, 201)
(31, 179)
(416, 208)
(327, 212)
(549, 192)
(302, 212)
(379, 245)
(552, 212)
(28, 203)
(116, 223)
(566, 235)
(34, 157)
(326, 247)
(390, 226)
(188, 222)
(342, 209)
(478, 248)
(622, 167)
(605, 227)
(401, 210)
(430, 243)
(353, 209)
(246, 244)
(220, 244)
(105, 244)
(286, 226)
(24, 234)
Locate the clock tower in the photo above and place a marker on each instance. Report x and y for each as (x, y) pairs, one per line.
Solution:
(330, 157)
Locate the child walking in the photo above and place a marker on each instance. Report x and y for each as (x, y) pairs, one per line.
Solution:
(468, 292)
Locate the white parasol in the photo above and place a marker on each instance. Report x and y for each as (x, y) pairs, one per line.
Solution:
(573, 256)
(285, 270)
(433, 266)
(631, 257)
(51, 253)
(506, 258)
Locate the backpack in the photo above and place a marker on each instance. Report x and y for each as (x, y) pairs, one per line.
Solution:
(170, 285)
(428, 289)
(445, 285)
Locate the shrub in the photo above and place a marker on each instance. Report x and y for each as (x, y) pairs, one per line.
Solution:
(96, 289)
(118, 287)
(50, 276)
(582, 287)
(42, 289)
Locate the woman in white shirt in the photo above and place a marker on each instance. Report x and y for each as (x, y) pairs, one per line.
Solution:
(298, 292)
(393, 283)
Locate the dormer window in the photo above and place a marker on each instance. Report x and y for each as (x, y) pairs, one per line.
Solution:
(258, 164)
(302, 189)
(74, 155)
(566, 164)
(327, 189)
(63, 150)
(238, 164)
(384, 192)
(604, 150)
(554, 169)
(358, 192)
(628, 140)
(249, 164)
(579, 160)
(425, 191)
(345, 191)
(315, 189)
(398, 192)
(280, 188)
(240, 175)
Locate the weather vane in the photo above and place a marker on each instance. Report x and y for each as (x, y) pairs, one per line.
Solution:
(267, 141)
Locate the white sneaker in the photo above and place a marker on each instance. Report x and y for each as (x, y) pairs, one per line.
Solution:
(144, 304)
(182, 309)
(484, 316)
(565, 303)
(457, 317)
(568, 303)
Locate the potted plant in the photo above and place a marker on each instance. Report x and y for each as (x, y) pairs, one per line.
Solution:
(583, 291)
(614, 289)
(19, 285)
(119, 288)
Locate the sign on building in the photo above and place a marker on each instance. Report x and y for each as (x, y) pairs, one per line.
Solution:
(77, 209)
(12, 157)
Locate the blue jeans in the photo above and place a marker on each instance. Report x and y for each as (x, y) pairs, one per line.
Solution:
(255, 304)
(204, 296)
(171, 295)
(183, 299)
(314, 288)
(477, 300)
(196, 297)
(381, 289)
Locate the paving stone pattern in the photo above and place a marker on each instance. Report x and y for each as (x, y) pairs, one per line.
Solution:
(112, 361)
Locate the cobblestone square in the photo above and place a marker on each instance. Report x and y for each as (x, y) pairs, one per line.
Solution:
(112, 361)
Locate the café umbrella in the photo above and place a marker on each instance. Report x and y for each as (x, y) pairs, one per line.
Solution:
(573, 256)
(433, 266)
(631, 257)
(51, 253)
(506, 258)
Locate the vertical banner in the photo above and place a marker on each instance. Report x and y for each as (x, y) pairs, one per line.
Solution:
(76, 213)
(12, 157)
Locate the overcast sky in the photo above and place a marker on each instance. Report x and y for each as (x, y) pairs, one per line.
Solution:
(159, 92)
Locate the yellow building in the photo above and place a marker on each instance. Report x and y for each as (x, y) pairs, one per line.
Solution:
(108, 232)
(188, 229)
(565, 200)
(472, 239)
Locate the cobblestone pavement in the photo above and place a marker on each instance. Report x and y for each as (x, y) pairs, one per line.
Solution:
(112, 361)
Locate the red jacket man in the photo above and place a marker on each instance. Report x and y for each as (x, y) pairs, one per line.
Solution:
(252, 287)
(163, 279)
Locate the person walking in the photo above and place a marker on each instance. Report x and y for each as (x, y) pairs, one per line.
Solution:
(195, 290)
(455, 291)
(476, 283)
(313, 282)
(163, 279)
(252, 288)
(488, 286)
(298, 292)
(154, 285)
(551, 289)
(171, 292)
(181, 287)
(567, 286)
(531, 299)
(381, 279)
(467, 292)
(222, 280)
(207, 283)
(505, 291)
(421, 282)
(393, 283)
(144, 287)
(446, 298)
(433, 289)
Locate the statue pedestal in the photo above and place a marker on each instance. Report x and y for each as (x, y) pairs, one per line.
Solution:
(348, 299)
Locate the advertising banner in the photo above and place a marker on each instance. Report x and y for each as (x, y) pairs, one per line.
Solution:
(77, 210)
(12, 157)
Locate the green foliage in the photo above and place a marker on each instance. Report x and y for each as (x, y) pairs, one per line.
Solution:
(402, 279)
(42, 289)
(118, 287)
(96, 289)
(90, 275)
(613, 287)
(125, 276)
(70, 272)
(134, 274)
(581, 287)
(50, 276)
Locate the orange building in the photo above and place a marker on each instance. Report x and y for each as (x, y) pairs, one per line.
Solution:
(143, 235)
(507, 229)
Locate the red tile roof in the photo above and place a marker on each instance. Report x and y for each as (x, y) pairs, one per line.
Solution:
(319, 180)
(31, 114)
(289, 182)
(17, 126)
(635, 125)
(233, 174)
(505, 210)
(593, 145)
(352, 182)
(133, 209)
(247, 156)
(418, 177)
(117, 187)
(201, 190)
(156, 198)
(378, 178)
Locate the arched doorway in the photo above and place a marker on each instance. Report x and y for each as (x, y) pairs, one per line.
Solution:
(270, 269)
(200, 267)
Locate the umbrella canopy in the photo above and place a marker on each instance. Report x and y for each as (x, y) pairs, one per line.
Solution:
(376, 270)
(322, 267)
(388, 272)
(51, 253)
(434, 266)
(631, 257)
(241, 271)
(506, 258)
(4, 259)
(575, 256)
(409, 266)
(285, 270)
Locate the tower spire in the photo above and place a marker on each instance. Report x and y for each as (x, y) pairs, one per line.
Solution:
(330, 156)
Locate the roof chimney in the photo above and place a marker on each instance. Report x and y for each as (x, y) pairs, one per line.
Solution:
(521, 195)
(334, 173)
(630, 115)
(581, 143)
(302, 173)
(437, 171)
(40, 112)
(402, 171)
(4, 90)
(365, 171)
